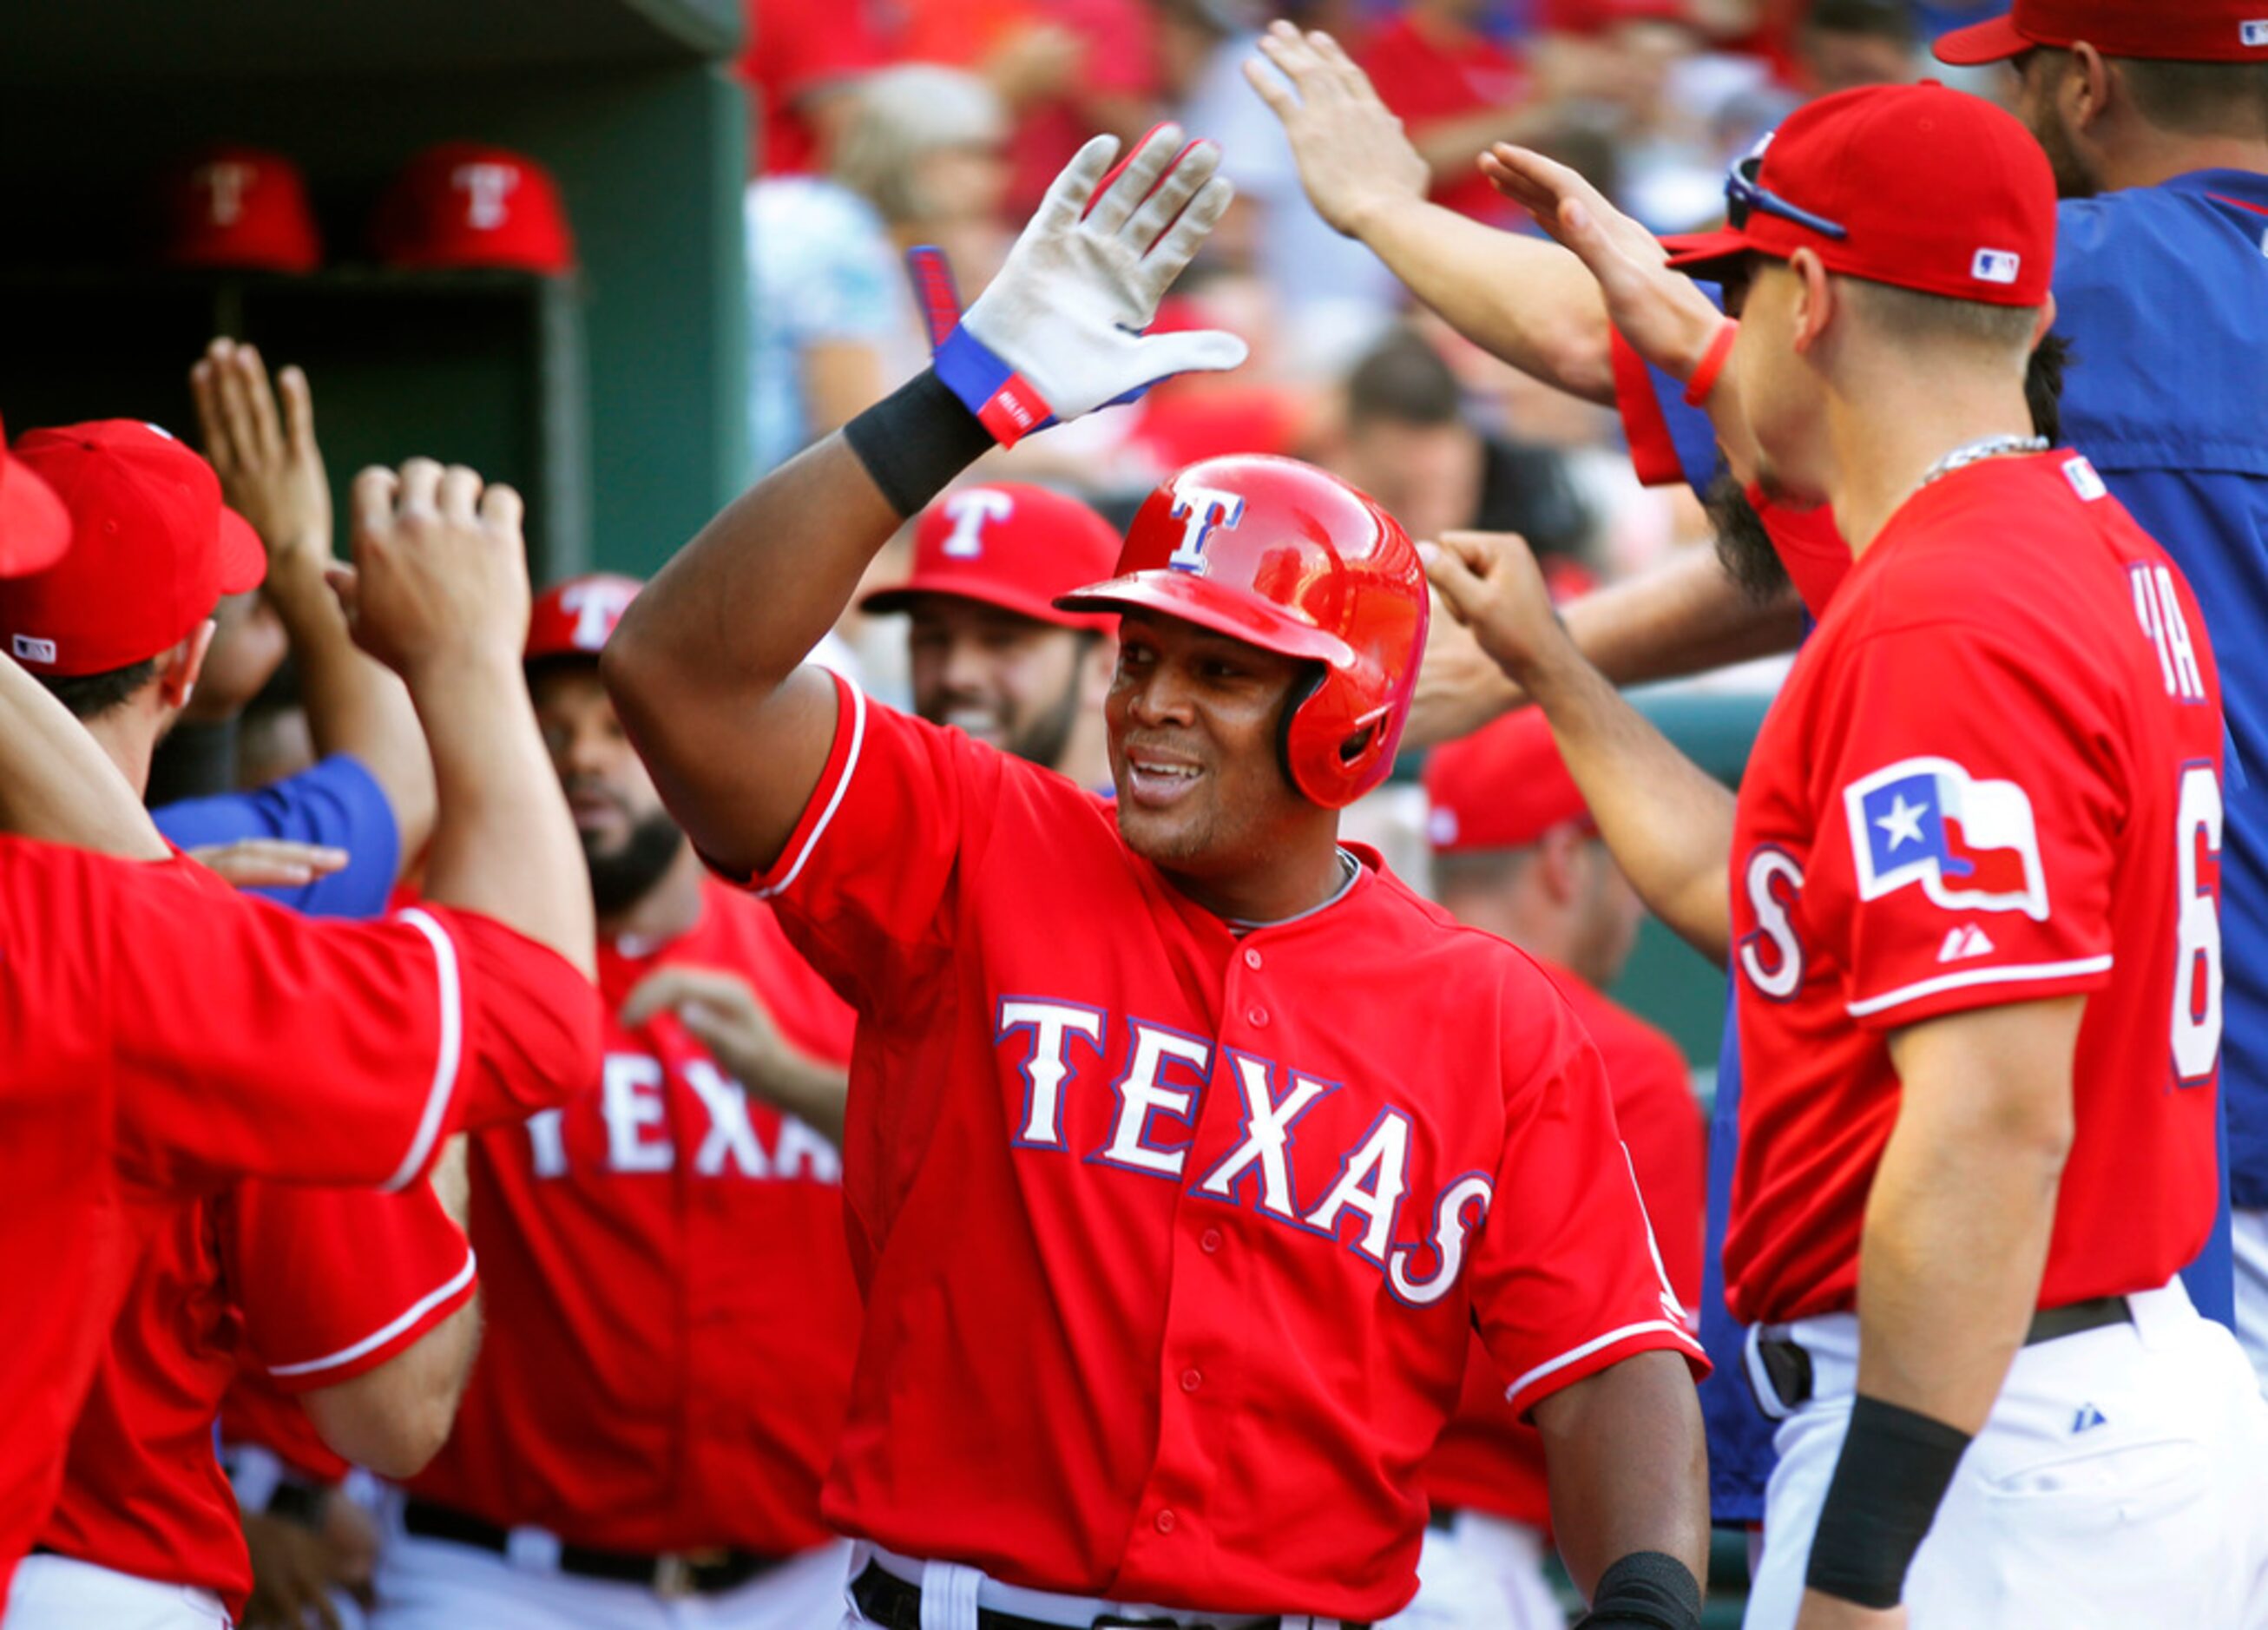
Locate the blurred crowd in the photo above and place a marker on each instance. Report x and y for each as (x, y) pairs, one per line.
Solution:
(882, 126)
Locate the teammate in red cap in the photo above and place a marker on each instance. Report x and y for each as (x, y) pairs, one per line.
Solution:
(1973, 912)
(672, 1317)
(161, 1034)
(991, 653)
(1186, 1146)
(360, 1302)
(1515, 853)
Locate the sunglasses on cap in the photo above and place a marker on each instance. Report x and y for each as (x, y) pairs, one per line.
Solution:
(1743, 197)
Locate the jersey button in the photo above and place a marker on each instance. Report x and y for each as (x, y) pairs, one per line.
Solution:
(1251, 958)
(1209, 1242)
(1191, 1381)
(1259, 1017)
(1166, 1522)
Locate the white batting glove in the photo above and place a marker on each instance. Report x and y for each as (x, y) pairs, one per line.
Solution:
(1059, 332)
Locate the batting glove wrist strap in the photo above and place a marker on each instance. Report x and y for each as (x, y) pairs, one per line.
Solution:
(915, 441)
(1007, 403)
(1895, 1468)
(1644, 1590)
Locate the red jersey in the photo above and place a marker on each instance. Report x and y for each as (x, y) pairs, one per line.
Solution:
(671, 1314)
(1425, 80)
(1173, 1236)
(158, 1039)
(1489, 1459)
(1994, 776)
(312, 1286)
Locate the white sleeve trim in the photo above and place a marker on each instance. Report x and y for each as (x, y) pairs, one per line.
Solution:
(1576, 1355)
(378, 1339)
(450, 1055)
(835, 798)
(2015, 973)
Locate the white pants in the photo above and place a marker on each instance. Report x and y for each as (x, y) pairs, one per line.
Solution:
(57, 1593)
(433, 1584)
(2248, 1241)
(2121, 1483)
(952, 1594)
(1481, 1572)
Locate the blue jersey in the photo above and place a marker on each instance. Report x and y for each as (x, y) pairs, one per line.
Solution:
(2163, 294)
(336, 802)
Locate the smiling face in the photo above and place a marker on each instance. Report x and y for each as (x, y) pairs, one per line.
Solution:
(1195, 718)
(1011, 682)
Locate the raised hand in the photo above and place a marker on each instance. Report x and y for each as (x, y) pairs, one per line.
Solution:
(1661, 312)
(1058, 332)
(271, 471)
(440, 571)
(1490, 583)
(1355, 159)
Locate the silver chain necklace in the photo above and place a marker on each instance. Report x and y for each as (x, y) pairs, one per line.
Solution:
(1989, 448)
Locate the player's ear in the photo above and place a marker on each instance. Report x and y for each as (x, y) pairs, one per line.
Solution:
(180, 669)
(2085, 94)
(1815, 298)
(2043, 323)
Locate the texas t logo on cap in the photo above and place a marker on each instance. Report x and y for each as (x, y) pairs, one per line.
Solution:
(1200, 509)
(969, 511)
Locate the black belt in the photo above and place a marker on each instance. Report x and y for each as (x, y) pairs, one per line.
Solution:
(700, 1573)
(1788, 1366)
(887, 1600)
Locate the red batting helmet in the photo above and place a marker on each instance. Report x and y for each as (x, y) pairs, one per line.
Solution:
(1277, 554)
(575, 617)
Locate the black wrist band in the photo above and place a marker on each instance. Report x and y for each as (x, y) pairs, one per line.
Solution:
(916, 440)
(1649, 1589)
(1895, 1468)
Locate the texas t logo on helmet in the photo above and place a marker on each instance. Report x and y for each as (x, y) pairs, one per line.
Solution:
(1199, 510)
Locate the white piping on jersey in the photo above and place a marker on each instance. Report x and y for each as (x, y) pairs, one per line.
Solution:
(451, 1049)
(2015, 973)
(1577, 1355)
(1351, 869)
(835, 801)
(378, 1339)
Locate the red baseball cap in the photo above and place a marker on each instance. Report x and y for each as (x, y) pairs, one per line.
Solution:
(1501, 787)
(35, 528)
(241, 209)
(152, 550)
(463, 205)
(1008, 544)
(1915, 186)
(2191, 31)
(576, 617)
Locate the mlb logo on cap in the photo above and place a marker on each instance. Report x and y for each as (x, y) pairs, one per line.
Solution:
(1995, 265)
(2254, 32)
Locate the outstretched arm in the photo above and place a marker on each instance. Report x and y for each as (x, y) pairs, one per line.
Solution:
(1520, 299)
(271, 472)
(1668, 822)
(704, 667)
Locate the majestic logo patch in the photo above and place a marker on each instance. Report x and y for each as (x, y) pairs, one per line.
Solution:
(1971, 844)
(2083, 479)
(1200, 509)
(1965, 942)
(1995, 265)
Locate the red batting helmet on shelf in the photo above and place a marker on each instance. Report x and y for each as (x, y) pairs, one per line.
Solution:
(1281, 556)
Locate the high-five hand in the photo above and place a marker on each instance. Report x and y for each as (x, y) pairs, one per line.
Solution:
(1661, 312)
(1489, 581)
(440, 571)
(1058, 332)
(1355, 159)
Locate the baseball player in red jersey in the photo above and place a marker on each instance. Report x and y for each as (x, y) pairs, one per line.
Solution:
(1515, 853)
(1185, 1146)
(989, 652)
(357, 1300)
(1971, 909)
(672, 1318)
(160, 1031)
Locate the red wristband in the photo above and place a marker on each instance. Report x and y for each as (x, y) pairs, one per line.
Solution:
(1712, 364)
